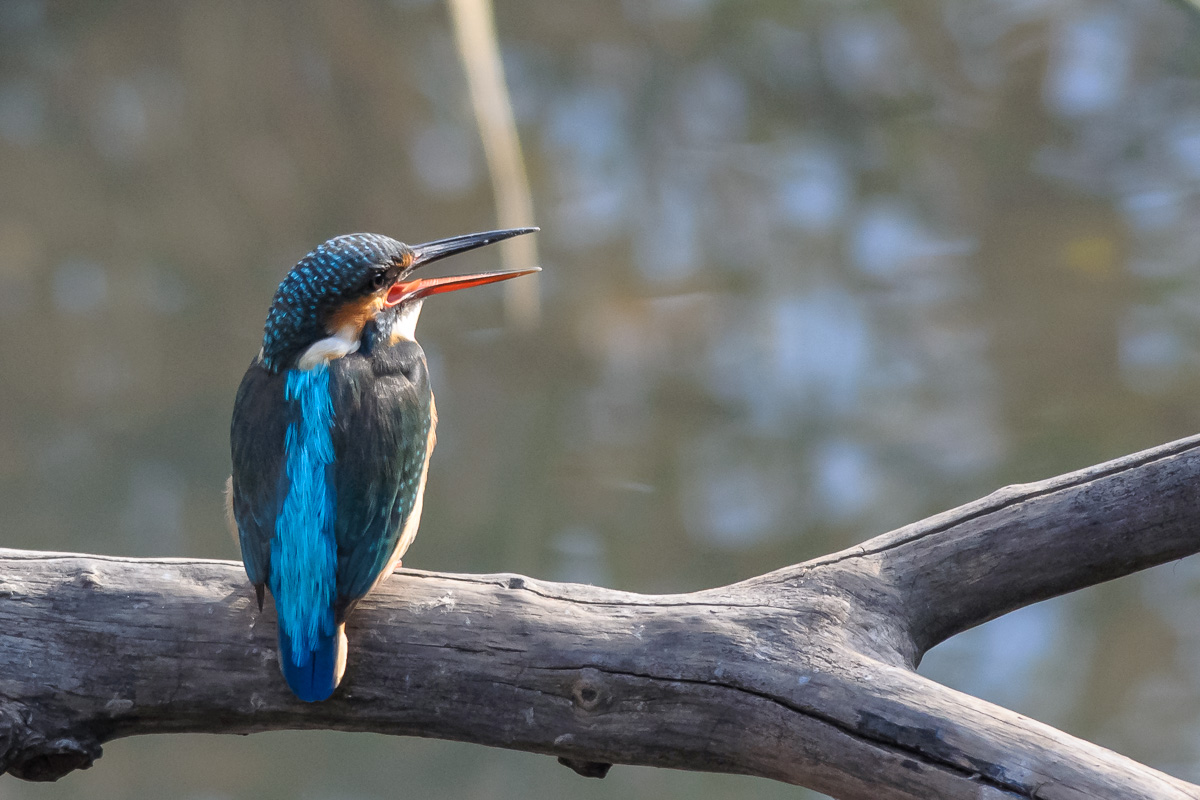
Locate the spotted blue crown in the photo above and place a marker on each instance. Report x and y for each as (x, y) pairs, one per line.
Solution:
(336, 271)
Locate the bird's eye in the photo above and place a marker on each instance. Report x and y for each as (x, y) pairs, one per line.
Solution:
(378, 280)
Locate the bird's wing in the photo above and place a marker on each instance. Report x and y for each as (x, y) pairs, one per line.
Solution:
(257, 436)
(381, 439)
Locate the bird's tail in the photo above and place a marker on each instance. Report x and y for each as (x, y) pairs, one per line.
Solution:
(314, 675)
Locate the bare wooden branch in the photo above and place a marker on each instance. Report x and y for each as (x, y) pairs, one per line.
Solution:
(804, 675)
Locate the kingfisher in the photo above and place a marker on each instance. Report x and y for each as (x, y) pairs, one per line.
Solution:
(332, 430)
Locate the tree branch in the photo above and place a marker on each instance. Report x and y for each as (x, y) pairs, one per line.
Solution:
(804, 675)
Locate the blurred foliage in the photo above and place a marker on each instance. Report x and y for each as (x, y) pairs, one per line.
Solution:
(812, 270)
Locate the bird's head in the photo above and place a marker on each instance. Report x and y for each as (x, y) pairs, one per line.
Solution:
(321, 308)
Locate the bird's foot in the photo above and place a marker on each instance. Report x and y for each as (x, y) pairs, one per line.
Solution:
(399, 564)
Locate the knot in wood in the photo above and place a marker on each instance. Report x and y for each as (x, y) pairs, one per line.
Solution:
(588, 691)
(588, 769)
(27, 753)
(49, 761)
(88, 580)
(12, 725)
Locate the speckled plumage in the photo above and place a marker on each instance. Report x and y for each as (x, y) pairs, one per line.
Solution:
(331, 274)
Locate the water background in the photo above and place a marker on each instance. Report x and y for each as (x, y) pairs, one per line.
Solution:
(813, 270)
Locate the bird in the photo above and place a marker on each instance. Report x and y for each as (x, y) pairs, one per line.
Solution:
(333, 425)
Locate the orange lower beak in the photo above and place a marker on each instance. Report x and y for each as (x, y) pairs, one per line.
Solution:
(424, 287)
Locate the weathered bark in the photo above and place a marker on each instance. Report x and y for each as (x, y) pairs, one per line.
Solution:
(804, 675)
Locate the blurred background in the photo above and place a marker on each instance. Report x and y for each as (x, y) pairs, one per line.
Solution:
(813, 270)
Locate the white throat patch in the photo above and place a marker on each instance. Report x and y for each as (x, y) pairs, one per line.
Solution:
(405, 324)
(342, 343)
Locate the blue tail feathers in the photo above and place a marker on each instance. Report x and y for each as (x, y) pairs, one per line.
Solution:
(312, 676)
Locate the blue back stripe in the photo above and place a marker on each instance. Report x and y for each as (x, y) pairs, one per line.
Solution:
(304, 552)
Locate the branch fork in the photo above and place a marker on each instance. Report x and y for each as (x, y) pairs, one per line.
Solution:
(805, 675)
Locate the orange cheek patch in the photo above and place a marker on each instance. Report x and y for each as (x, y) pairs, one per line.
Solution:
(356, 313)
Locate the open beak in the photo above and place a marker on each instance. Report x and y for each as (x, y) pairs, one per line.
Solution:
(424, 287)
(433, 251)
